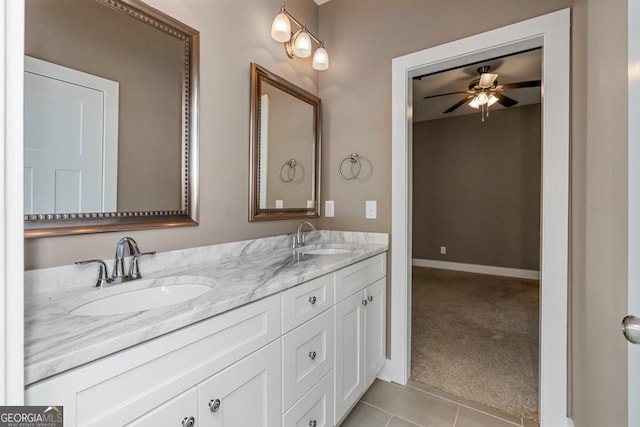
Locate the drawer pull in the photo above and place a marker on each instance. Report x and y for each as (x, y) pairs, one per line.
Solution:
(312, 300)
(364, 302)
(312, 355)
(189, 422)
(313, 423)
(214, 405)
(370, 298)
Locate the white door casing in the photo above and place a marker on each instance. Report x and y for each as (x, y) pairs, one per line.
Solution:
(634, 206)
(11, 216)
(551, 32)
(71, 140)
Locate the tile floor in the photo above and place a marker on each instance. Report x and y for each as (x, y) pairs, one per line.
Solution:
(415, 405)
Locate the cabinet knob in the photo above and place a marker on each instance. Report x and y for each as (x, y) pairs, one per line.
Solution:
(364, 302)
(370, 298)
(312, 300)
(214, 405)
(189, 422)
(313, 423)
(312, 355)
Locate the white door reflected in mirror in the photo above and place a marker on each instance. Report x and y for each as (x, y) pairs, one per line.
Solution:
(70, 140)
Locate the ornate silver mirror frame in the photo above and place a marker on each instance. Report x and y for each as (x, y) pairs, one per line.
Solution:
(260, 76)
(43, 225)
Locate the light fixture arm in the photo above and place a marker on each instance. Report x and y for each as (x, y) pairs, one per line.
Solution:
(295, 21)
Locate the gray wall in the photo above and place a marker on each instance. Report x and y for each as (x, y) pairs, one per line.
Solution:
(356, 94)
(476, 188)
(232, 35)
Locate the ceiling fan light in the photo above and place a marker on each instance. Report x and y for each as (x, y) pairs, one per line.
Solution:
(302, 44)
(492, 100)
(482, 98)
(474, 103)
(320, 59)
(281, 28)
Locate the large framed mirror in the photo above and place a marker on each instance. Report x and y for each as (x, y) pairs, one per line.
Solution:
(285, 149)
(111, 118)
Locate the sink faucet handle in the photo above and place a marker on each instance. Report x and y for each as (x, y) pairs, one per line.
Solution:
(135, 269)
(103, 278)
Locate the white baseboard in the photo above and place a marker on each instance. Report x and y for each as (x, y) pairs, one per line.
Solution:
(482, 269)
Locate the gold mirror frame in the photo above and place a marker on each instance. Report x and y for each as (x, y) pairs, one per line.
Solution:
(43, 225)
(258, 76)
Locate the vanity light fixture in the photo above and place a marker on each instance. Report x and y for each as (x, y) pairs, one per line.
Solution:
(298, 44)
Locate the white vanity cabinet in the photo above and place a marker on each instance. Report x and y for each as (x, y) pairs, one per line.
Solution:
(360, 331)
(166, 380)
(299, 358)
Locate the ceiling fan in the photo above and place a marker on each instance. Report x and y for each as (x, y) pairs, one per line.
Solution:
(485, 91)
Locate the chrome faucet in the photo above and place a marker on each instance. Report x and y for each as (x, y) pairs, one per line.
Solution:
(298, 238)
(119, 270)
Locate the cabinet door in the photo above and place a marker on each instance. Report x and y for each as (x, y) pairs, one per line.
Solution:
(247, 393)
(375, 330)
(349, 369)
(175, 413)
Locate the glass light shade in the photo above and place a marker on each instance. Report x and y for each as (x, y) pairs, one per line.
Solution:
(302, 45)
(492, 100)
(482, 98)
(281, 28)
(320, 59)
(474, 103)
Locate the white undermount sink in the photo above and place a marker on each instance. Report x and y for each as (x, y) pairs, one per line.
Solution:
(324, 250)
(148, 294)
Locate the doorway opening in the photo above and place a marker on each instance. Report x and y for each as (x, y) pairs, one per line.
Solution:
(476, 232)
(551, 32)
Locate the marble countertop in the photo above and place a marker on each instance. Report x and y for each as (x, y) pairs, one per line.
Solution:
(239, 272)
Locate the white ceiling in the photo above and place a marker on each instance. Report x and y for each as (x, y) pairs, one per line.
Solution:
(320, 2)
(517, 68)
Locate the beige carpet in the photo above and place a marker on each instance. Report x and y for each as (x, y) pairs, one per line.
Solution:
(476, 336)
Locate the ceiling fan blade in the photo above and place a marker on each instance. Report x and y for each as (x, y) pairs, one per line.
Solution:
(487, 79)
(458, 104)
(505, 100)
(531, 83)
(443, 94)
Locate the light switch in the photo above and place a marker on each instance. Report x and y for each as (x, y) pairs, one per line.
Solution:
(443, 250)
(311, 204)
(371, 210)
(329, 209)
(279, 204)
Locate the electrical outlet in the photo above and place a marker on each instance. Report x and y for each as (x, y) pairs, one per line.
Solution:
(329, 209)
(443, 250)
(371, 209)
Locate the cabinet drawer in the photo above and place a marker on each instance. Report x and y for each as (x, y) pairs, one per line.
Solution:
(307, 356)
(303, 302)
(353, 278)
(171, 413)
(316, 405)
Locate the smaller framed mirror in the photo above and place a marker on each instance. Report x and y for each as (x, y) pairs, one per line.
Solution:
(285, 149)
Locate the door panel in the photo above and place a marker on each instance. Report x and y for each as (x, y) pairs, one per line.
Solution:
(634, 207)
(247, 393)
(350, 381)
(376, 334)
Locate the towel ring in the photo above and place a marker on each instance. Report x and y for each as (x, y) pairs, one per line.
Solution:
(292, 165)
(353, 158)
